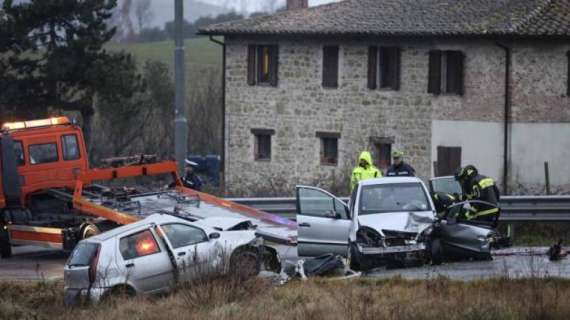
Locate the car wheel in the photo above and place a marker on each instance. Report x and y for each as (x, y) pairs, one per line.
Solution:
(245, 263)
(117, 292)
(355, 260)
(90, 230)
(436, 252)
(5, 247)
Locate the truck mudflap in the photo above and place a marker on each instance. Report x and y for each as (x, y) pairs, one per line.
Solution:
(391, 250)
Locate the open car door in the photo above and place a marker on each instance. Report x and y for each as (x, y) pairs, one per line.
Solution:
(323, 222)
(463, 237)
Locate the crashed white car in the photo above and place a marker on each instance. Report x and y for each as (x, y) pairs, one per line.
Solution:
(389, 221)
(154, 254)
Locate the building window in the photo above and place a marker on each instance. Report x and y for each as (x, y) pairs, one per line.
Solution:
(262, 144)
(329, 147)
(262, 64)
(445, 72)
(384, 67)
(330, 66)
(448, 160)
(382, 151)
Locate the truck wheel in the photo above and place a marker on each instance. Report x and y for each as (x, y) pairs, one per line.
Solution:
(5, 247)
(436, 252)
(89, 230)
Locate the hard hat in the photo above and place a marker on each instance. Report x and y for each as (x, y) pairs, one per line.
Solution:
(465, 172)
(397, 153)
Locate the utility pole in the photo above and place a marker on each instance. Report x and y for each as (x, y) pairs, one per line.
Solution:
(180, 122)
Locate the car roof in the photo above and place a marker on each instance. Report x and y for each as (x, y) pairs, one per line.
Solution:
(157, 218)
(390, 180)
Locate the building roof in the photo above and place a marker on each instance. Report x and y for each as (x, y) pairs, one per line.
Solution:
(440, 18)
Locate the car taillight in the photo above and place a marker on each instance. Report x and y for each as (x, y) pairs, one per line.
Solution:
(93, 265)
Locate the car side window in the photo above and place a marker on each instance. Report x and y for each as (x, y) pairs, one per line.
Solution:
(70, 147)
(352, 200)
(138, 245)
(318, 203)
(181, 235)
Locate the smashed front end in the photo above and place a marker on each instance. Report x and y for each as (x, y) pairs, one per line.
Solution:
(391, 248)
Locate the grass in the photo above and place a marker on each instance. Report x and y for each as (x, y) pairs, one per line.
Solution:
(198, 52)
(316, 299)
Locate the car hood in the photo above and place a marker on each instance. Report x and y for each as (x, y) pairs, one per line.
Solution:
(398, 221)
(221, 223)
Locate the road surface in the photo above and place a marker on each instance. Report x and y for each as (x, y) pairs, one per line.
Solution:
(33, 263)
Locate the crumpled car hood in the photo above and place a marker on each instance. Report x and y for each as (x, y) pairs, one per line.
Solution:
(398, 221)
(221, 223)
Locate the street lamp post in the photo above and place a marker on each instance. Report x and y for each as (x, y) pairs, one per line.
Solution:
(180, 122)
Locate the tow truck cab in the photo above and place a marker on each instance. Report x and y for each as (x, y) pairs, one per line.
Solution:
(48, 153)
(36, 156)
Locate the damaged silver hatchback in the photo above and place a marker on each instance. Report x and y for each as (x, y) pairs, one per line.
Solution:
(153, 255)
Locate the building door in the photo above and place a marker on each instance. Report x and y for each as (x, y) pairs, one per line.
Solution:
(448, 160)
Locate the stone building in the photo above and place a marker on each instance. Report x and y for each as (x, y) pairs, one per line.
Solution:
(449, 82)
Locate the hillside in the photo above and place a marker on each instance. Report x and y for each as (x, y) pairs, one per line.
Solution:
(198, 51)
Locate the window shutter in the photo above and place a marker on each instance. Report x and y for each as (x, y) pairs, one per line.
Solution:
(330, 66)
(568, 75)
(395, 68)
(251, 64)
(460, 72)
(274, 64)
(384, 61)
(372, 67)
(454, 74)
(434, 72)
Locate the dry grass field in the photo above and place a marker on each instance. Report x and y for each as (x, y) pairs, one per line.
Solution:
(317, 299)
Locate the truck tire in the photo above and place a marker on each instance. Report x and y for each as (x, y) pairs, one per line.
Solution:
(89, 230)
(5, 246)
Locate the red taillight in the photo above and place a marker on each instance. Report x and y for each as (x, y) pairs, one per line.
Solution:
(93, 265)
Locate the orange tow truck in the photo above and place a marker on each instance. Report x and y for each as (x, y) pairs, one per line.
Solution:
(49, 198)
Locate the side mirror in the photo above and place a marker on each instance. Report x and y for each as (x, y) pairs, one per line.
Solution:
(214, 235)
(333, 215)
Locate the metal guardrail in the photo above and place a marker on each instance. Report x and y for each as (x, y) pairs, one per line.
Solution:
(513, 208)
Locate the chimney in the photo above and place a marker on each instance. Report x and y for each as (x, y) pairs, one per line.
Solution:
(297, 4)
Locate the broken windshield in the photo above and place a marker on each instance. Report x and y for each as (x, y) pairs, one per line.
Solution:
(393, 198)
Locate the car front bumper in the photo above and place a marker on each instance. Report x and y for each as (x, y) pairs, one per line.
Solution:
(412, 248)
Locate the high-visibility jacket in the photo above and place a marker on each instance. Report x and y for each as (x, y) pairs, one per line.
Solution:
(482, 188)
(362, 173)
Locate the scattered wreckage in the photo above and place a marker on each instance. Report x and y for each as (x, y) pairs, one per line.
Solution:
(157, 253)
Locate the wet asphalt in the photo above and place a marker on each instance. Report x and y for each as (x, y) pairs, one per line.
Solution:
(34, 263)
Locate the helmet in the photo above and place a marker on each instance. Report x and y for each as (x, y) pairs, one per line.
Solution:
(465, 172)
(397, 153)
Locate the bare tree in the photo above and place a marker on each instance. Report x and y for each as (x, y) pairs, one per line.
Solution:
(143, 13)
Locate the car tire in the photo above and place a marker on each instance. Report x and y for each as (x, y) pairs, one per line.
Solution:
(5, 246)
(245, 263)
(355, 260)
(118, 291)
(89, 230)
(436, 252)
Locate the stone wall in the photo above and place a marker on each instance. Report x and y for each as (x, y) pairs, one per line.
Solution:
(299, 107)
